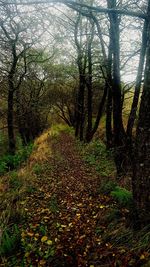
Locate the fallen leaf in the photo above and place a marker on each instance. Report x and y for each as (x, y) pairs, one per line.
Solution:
(49, 242)
(142, 257)
(30, 234)
(42, 262)
(44, 239)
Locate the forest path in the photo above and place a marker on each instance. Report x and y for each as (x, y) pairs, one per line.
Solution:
(66, 224)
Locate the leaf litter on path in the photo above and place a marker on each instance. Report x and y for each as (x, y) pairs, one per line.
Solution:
(66, 225)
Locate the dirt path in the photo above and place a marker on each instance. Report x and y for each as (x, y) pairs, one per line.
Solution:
(65, 214)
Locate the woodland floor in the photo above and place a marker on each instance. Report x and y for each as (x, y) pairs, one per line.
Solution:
(66, 217)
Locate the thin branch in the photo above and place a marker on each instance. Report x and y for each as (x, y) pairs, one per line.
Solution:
(73, 4)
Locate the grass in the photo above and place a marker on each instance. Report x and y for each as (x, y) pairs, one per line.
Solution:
(53, 204)
(122, 196)
(96, 155)
(37, 169)
(18, 184)
(10, 240)
(8, 162)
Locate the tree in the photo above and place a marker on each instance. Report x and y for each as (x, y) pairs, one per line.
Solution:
(141, 170)
(17, 37)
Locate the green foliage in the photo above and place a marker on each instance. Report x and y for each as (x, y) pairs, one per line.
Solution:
(31, 189)
(3, 144)
(3, 167)
(53, 204)
(10, 241)
(50, 252)
(14, 181)
(37, 169)
(8, 161)
(107, 186)
(96, 155)
(43, 229)
(122, 196)
(56, 129)
(144, 237)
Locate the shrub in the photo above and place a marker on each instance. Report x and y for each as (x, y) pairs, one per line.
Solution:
(122, 196)
(107, 186)
(9, 162)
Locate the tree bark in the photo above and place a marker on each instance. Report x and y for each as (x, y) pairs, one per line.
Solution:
(81, 61)
(10, 122)
(141, 174)
(118, 128)
(133, 111)
(89, 87)
(109, 134)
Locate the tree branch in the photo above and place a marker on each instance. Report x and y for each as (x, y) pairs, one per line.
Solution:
(73, 4)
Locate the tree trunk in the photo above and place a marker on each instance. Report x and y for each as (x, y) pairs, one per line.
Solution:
(109, 134)
(80, 109)
(118, 128)
(141, 175)
(133, 111)
(10, 121)
(99, 115)
(89, 86)
(81, 61)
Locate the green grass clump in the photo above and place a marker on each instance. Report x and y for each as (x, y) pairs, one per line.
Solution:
(37, 169)
(3, 167)
(107, 187)
(58, 128)
(15, 181)
(122, 196)
(53, 204)
(10, 241)
(96, 155)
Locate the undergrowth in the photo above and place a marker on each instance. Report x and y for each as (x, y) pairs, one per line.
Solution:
(9, 162)
(96, 155)
(10, 240)
(122, 196)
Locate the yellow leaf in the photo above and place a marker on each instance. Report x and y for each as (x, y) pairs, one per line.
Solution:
(30, 234)
(49, 242)
(42, 262)
(91, 265)
(22, 202)
(122, 251)
(23, 234)
(142, 257)
(37, 234)
(27, 254)
(102, 206)
(44, 239)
